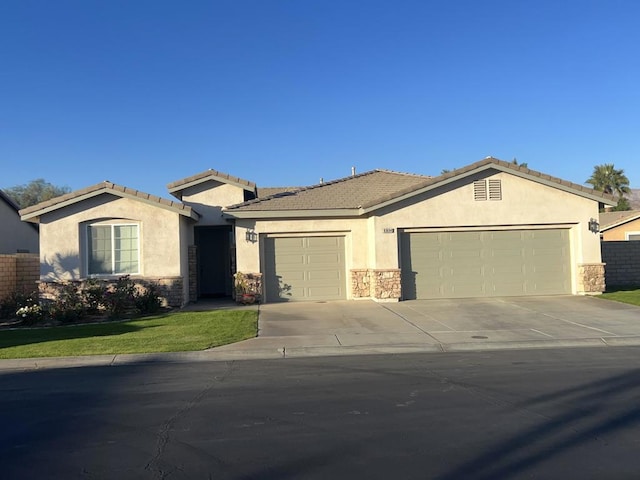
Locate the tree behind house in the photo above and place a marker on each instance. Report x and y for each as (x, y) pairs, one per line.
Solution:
(35, 192)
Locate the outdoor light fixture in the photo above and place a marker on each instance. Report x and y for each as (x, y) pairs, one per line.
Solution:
(594, 226)
(251, 235)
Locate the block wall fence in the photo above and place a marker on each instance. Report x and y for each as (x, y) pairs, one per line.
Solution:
(19, 273)
(622, 263)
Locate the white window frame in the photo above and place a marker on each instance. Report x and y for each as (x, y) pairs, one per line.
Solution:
(627, 234)
(113, 256)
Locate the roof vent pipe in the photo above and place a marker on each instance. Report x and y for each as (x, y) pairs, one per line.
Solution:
(353, 171)
(321, 180)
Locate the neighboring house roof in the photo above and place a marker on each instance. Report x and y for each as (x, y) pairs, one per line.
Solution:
(369, 191)
(32, 214)
(9, 201)
(176, 187)
(609, 220)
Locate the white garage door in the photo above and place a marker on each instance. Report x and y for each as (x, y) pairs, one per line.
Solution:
(304, 268)
(485, 263)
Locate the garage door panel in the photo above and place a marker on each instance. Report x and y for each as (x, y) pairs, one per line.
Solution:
(304, 268)
(323, 260)
(485, 263)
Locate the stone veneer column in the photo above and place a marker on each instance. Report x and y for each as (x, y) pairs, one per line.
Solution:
(386, 284)
(591, 278)
(361, 283)
(193, 273)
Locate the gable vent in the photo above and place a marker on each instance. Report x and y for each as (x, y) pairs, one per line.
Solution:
(487, 190)
(480, 190)
(495, 190)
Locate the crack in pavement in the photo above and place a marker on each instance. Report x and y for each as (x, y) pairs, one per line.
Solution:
(167, 426)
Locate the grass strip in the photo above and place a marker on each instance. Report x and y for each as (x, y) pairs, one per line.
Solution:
(174, 332)
(627, 295)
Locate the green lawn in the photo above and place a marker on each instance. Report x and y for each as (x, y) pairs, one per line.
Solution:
(631, 295)
(175, 332)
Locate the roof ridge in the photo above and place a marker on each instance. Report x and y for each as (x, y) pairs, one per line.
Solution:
(408, 174)
(210, 172)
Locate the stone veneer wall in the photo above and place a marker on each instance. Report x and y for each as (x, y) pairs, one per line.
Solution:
(591, 278)
(19, 273)
(386, 284)
(193, 273)
(171, 288)
(622, 260)
(361, 283)
(383, 284)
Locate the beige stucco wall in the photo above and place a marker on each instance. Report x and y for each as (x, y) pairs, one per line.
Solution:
(209, 197)
(524, 204)
(619, 232)
(63, 250)
(15, 234)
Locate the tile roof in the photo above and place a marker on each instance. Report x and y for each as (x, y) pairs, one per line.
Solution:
(613, 219)
(31, 213)
(207, 175)
(346, 193)
(377, 187)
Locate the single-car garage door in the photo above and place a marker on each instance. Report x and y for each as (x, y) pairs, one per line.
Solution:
(304, 268)
(485, 263)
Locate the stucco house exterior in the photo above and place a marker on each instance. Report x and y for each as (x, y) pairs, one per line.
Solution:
(489, 229)
(620, 226)
(16, 236)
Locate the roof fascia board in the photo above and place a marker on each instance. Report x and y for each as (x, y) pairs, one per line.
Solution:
(344, 212)
(38, 213)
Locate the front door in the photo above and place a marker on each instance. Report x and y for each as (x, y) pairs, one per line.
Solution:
(214, 261)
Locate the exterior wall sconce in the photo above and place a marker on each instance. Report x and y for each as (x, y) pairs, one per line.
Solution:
(251, 236)
(594, 226)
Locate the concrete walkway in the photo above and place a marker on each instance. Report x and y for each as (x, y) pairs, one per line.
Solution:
(366, 327)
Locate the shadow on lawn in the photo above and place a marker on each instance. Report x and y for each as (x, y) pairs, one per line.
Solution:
(28, 336)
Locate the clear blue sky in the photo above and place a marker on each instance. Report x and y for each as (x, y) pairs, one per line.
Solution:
(145, 92)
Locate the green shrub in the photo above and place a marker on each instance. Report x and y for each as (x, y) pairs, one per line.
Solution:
(93, 295)
(119, 299)
(148, 300)
(11, 304)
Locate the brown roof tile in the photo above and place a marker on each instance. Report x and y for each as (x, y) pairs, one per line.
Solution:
(346, 193)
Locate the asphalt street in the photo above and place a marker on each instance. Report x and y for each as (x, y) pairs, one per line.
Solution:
(564, 413)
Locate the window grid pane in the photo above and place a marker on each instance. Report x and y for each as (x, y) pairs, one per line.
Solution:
(113, 249)
(126, 249)
(100, 252)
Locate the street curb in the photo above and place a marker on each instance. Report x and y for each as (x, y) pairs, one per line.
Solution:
(228, 353)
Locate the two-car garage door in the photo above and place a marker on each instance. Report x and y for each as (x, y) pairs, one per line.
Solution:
(485, 263)
(304, 268)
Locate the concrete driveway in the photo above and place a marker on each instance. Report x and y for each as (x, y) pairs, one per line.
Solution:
(447, 325)
(366, 327)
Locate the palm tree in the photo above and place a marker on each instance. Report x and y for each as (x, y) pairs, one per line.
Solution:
(608, 179)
